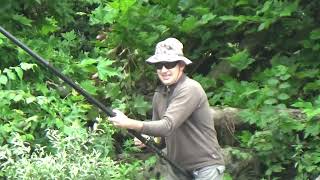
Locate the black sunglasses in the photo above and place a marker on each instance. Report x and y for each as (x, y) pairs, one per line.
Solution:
(167, 65)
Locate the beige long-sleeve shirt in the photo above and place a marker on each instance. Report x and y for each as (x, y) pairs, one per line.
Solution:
(182, 115)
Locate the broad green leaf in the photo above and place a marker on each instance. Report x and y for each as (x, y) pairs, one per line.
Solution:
(270, 101)
(284, 85)
(10, 74)
(285, 77)
(3, 79)
(105, 70)
(302, 104)
(273, 81)
(18, 97)
(240, 60)
(283, 96)
(30, 99)
(26, 66)
(19, 72)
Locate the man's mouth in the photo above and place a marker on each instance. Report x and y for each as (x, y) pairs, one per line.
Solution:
(166, 77)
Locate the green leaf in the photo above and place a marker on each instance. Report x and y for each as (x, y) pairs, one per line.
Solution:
(22, 19)
(49, 26)
(3, 79)
(19, 72)
(10, 74)
(283, 96)
(271, 101)
(87, 62)
(285, 77)
(30, 99)
(284, 85)
(69, 36)
(273, 81)
(206, 18)
(88, 85)
(26, 66)
(265, 24)
(240, 60)
(315, 34)
(104, 15)
(189, 24)
(105, 70)
(18, 97)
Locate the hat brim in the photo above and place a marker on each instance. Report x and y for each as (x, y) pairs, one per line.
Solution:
(167, 58)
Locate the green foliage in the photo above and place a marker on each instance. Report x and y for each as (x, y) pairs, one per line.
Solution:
(272, 46)
(73, 157)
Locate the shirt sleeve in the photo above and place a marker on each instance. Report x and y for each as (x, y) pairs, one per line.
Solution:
(178, 111)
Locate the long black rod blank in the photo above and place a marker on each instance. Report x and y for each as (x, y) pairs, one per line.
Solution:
(148, 142)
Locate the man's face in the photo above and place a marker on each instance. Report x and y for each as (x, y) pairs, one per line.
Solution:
(169, 72)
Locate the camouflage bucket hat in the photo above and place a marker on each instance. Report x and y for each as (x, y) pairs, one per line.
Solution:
(169, 50)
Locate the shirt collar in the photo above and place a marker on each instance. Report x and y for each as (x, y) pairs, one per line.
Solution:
(168, 89)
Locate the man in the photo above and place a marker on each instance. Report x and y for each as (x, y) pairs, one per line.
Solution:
(181, 115)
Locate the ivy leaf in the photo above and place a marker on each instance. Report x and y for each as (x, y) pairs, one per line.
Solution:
(22, 19)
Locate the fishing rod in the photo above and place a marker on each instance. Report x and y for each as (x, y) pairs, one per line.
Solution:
(108, 111)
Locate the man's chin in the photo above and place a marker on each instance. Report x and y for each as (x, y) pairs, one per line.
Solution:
(167, 82)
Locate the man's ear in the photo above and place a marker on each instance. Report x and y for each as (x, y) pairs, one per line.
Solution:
(182, 65)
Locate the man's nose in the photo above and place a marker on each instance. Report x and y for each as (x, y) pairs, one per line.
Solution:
(164, 69)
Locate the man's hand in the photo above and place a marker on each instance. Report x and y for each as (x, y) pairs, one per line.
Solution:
(122, 121)
(138, 143)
